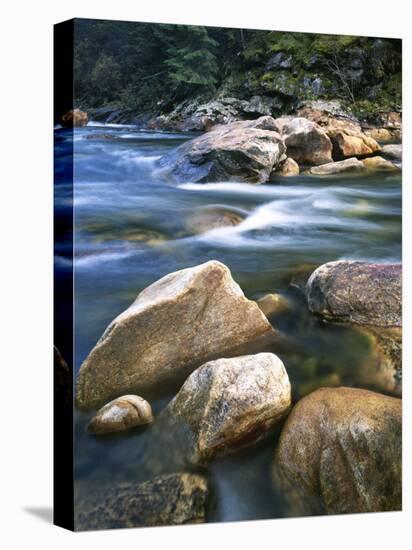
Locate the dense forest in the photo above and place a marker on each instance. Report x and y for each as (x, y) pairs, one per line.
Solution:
(151, 68)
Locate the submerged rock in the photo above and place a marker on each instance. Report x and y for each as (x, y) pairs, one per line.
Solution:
(227, 404)
(340, 451)
(274, 304)
(174, 499)
(306, 142)
(244, 151)
(209, 218)
(358, 292)
(175, 325)
(74, 118)
(347, 165)
(121, 414)
(382, 369)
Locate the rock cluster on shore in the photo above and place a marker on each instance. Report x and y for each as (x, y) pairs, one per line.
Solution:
(264, 149)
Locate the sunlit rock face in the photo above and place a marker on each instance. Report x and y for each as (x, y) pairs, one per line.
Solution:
(174, 326)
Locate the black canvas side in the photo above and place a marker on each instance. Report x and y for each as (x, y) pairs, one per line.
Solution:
(63, 283)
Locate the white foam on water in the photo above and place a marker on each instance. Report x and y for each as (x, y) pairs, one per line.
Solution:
(109, 124)
(95, 259)
(245, 188)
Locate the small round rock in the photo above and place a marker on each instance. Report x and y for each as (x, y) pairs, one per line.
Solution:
(127, 411)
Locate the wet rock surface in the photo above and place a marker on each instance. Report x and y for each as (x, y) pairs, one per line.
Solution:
(174, 499)
(340, 451)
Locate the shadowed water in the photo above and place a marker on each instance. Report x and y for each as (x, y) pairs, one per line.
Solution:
(133, 225)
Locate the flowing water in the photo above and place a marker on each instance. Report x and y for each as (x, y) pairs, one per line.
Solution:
(133, 225)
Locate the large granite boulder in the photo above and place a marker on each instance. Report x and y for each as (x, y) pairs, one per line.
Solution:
(174, 499)
(306, 141)
(359, 292)
(123, 413)
(225, 405)
(74, 119)
(244, 151)
(175, 325)
(340, 451)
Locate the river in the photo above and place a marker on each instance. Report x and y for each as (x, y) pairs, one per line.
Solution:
(132, 226)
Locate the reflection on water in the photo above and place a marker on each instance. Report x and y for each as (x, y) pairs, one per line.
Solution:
(132, 227)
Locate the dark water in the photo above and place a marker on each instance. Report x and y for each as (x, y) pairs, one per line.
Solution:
(132, 226)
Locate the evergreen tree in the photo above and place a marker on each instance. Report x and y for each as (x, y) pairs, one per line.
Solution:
(191, 57)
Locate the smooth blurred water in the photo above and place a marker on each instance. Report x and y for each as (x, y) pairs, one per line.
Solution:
(132, 226)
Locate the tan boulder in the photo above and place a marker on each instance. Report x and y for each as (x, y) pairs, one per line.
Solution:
(379, 164)
(74, 119)
(347, 165)
(127, 411)
(288, 167)
(227, 404)
(306, 142)
(348, 145)
(175, 325)
(379, 134)
(340, 451)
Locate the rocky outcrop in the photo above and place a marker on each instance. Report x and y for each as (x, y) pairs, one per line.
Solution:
(306, 142)
(74, 119)
(379, 164)
(340, 451)
(227, 404)
(358, 292)
(347, 165)
(288, 167)
(121, 414)
(174, 499)
(175, 325)
(245, 151)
